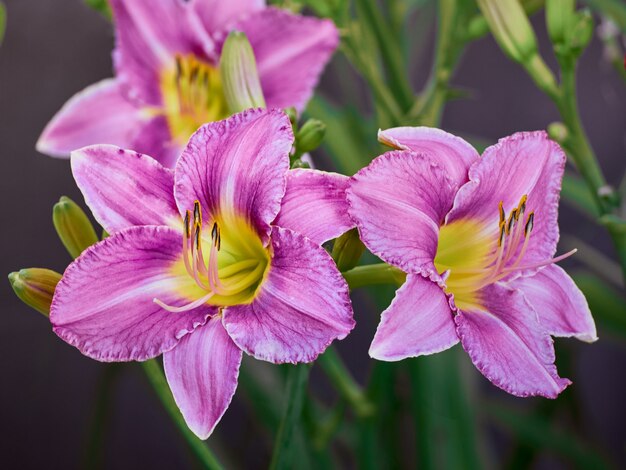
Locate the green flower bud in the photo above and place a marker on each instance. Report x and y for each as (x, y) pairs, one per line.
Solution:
(581, 32)
(559, 18)
(293, 116)
(557, 132)
(510, 27)
(73, 226)
(35, 287)
(240, 78)
(347, 250)
(310, 136)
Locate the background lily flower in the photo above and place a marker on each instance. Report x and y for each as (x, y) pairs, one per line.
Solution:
(476, 237)
(220, 256)
(167, 81)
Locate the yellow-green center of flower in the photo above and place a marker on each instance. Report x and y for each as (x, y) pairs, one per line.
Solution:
(477, 256)
(192, 95)
(223, 264)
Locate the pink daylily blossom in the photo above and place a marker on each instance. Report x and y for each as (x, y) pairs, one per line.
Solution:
(476, 237)
(221, 255)
(167, 81)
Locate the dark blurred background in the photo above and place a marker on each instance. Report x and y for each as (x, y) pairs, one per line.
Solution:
(48, 390)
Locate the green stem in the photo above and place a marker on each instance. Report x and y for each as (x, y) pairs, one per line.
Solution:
(340, 377)
(380, 273)
(296, 391)
(389, 50)
(433, 100)
(159, 383)
(578, 147)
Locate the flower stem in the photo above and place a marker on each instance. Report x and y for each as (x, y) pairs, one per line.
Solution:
(577, 145)
(159, 383)
(296, 390)
(345, 384)
(380, 273)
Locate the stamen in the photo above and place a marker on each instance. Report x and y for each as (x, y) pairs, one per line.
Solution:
(502, 214)
(184, 308)
(529, 224)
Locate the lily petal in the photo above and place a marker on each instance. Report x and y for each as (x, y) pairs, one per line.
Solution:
(561, 306)
(509, 346)
(453, 153)
(100, 113)
(148, 35)
(124, 188)
(419, 321)
(216, 15)
(315, 205)
(290, 45)
(202, 372)
(104, 305)
(526, 163)
(237, 166)
(300, 308)
(398, 203)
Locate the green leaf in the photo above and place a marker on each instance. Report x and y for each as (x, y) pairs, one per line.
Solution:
(607, 305)
(538, 432)
(297, 379)
(3, 21)
(346, 142)
(101, 6)
(576, 193)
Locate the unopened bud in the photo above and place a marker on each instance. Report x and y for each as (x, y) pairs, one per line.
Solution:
(347, 250)
(510, 26)
(293, 116)
(581, 32)
(558, 132)
(73, 226)
(35, 287)
(559, 19)
(240, 78)
(310, 136)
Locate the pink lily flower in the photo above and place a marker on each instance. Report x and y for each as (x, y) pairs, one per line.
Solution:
(476, 237)
(221, 255)
(167, 82)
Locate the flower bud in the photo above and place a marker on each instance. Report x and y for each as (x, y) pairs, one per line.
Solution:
(347, 250)
(559, 18)
(35, 287)
(510, 26)
(558, 132)
(581, 32)
(240, 78)
(310, 136)
(73, 226)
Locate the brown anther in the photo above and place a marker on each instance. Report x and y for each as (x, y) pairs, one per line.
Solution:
(502, 232)
(502, 214)
(529, 223)
(197, 231)
(187, 224)
(214, 232)
(197, 213)
(509, 223)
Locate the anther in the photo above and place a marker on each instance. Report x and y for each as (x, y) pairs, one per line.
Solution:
(502, 214)
(529, 223)
(187, 223)
(197, 232)
(502, 233)
(214, 232)
(197, 213)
